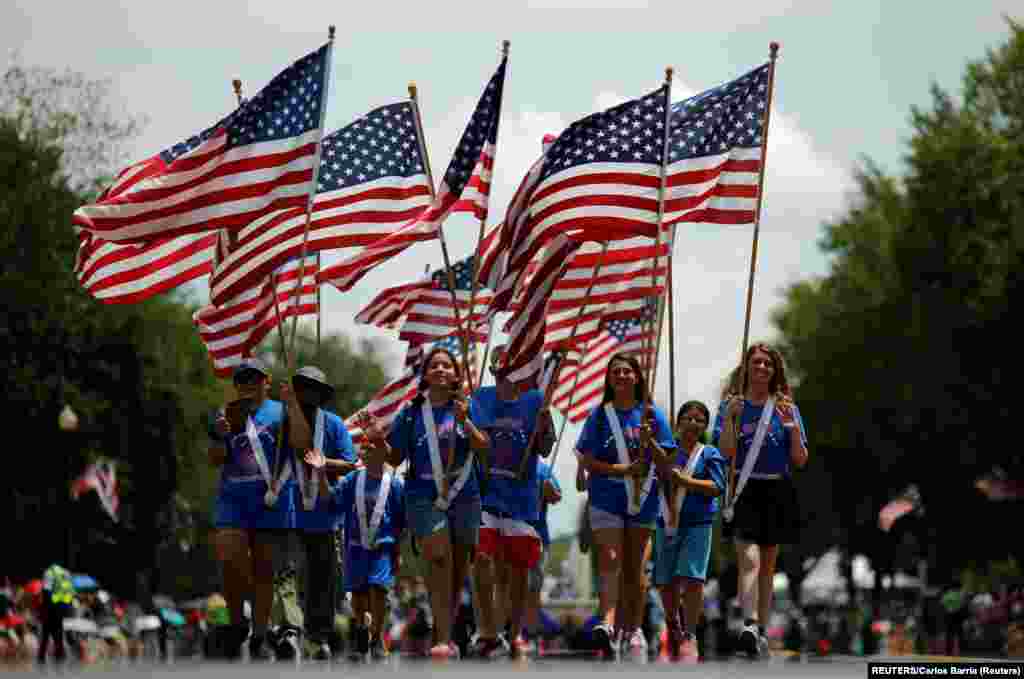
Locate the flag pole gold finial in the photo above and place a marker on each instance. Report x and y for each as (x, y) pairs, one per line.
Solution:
(773, 50)
(669, 72)
(237, 85)
(330, 32)
(504, 47)
(412, 91)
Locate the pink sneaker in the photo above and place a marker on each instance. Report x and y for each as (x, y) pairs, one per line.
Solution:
(688, 652)
(447, 651)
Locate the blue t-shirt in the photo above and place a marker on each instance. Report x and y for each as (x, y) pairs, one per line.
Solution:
(408, 430)
(699, 508)
(241, 474)
(608, 493)
(774, 455)
(343, 507)
(337, 446)
(544, 473)
(512, 425)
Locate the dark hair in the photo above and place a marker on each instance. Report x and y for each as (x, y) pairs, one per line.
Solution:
(704, 438)
(778, 385)
(423, 386)
(640, 389)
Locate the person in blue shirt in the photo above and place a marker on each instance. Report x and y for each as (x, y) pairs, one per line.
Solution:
(314, 524)
(371, 504)
(695, 479)
(509, 543)
(615, 448)
(254, 500)
(759, 428)
(551, 494)
(445, 524)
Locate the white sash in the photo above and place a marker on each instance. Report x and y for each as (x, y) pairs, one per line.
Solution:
(270, 498)
(634, 504)
(368, 533)
(671, 514)
(755, 450)
(436, 467)
(309, 487)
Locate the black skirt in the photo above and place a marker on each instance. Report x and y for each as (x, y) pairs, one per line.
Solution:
(767, 513)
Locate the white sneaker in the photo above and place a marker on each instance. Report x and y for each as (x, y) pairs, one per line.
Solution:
(637, 643)
(763, 652)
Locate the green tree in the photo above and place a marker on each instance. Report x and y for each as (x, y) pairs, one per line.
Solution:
(903, 351)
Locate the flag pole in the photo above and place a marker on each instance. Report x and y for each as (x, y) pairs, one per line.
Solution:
(414, 102)
(487, 351)
(773, 52)
(505, 44)
(568, 408)
(236, 85)
(549, 391)
(312, 190)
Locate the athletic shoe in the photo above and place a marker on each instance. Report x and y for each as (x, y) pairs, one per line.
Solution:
(487, 649)
(636, 644)
(603, 640)
(379, 650)
(763, 651)
(323, 652)
(285, 643)
(748, 642)
(259, 649)
(447, 651)
(519, 648)
(688, 648)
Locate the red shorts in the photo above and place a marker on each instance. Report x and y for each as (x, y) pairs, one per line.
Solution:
(510, 540)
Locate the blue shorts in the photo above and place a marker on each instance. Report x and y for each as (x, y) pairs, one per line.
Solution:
(365, 568)
(243, 507)
(683, 555)
(462, 519)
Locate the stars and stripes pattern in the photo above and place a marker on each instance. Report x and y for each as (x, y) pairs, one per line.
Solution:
(714, 152)
(580, 385)
(232, 331)
(257, 160)
(388, 309)
(100, 476)
(466, 187)
(372, 181)
(430, 314)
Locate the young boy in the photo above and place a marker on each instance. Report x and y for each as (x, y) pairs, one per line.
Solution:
(371, 502)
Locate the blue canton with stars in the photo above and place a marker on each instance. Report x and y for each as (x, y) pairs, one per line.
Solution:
(721, 118)
(620, 327)
(381, 143)
(633, 132)
(482, 128)
(287, 107)
(463, 272)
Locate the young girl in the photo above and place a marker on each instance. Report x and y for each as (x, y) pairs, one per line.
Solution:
(372, 504)
(614, 449)
(682, 542)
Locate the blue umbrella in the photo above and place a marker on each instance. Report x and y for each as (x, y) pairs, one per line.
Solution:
(172, 617)
(84, 583)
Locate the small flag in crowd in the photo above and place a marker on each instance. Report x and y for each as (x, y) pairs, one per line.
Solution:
(465, 188)
(906, 502)
(430, 315)
(100, 476)
(371, 182)
(256, 160)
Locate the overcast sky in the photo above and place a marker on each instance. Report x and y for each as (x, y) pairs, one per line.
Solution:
(847, 76)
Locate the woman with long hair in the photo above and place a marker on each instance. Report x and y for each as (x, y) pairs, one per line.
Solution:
(759, 427)
(695, 480)
(615, 448)
(447, 527)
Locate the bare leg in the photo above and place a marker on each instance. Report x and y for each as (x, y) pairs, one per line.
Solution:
(765, 577)
(517, 594)
(263, 582)
(633, 557)
(485, 579)
(693, 601)
(437, 551)
(749, 565)
(231, 546)
(378, 601)
(608, 544)
(460, 571)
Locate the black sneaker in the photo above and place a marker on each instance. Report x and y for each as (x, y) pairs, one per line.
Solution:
(379, 650)
(603, 640)
(286, 644)
(360, 643)
(259, 649)
(749, 641)
(231, 639)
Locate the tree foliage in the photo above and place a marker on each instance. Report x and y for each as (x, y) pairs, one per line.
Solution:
(904, 350)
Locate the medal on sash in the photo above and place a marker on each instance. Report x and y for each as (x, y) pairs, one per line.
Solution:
(437, 468)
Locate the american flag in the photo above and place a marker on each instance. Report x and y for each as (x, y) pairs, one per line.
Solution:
(430, 314)
(907, 501)
(371, 181)
(715, 152)
(257, 160)
(126, 273)
(580, 384)
(232, 331)
(389, 400)
(388, 309)
(100, 476)
(465, 188)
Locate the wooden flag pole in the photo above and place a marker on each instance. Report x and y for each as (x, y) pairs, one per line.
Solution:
(773, 52)
(549, 391)
(483, 221)
(414, 102)
(297, 296)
